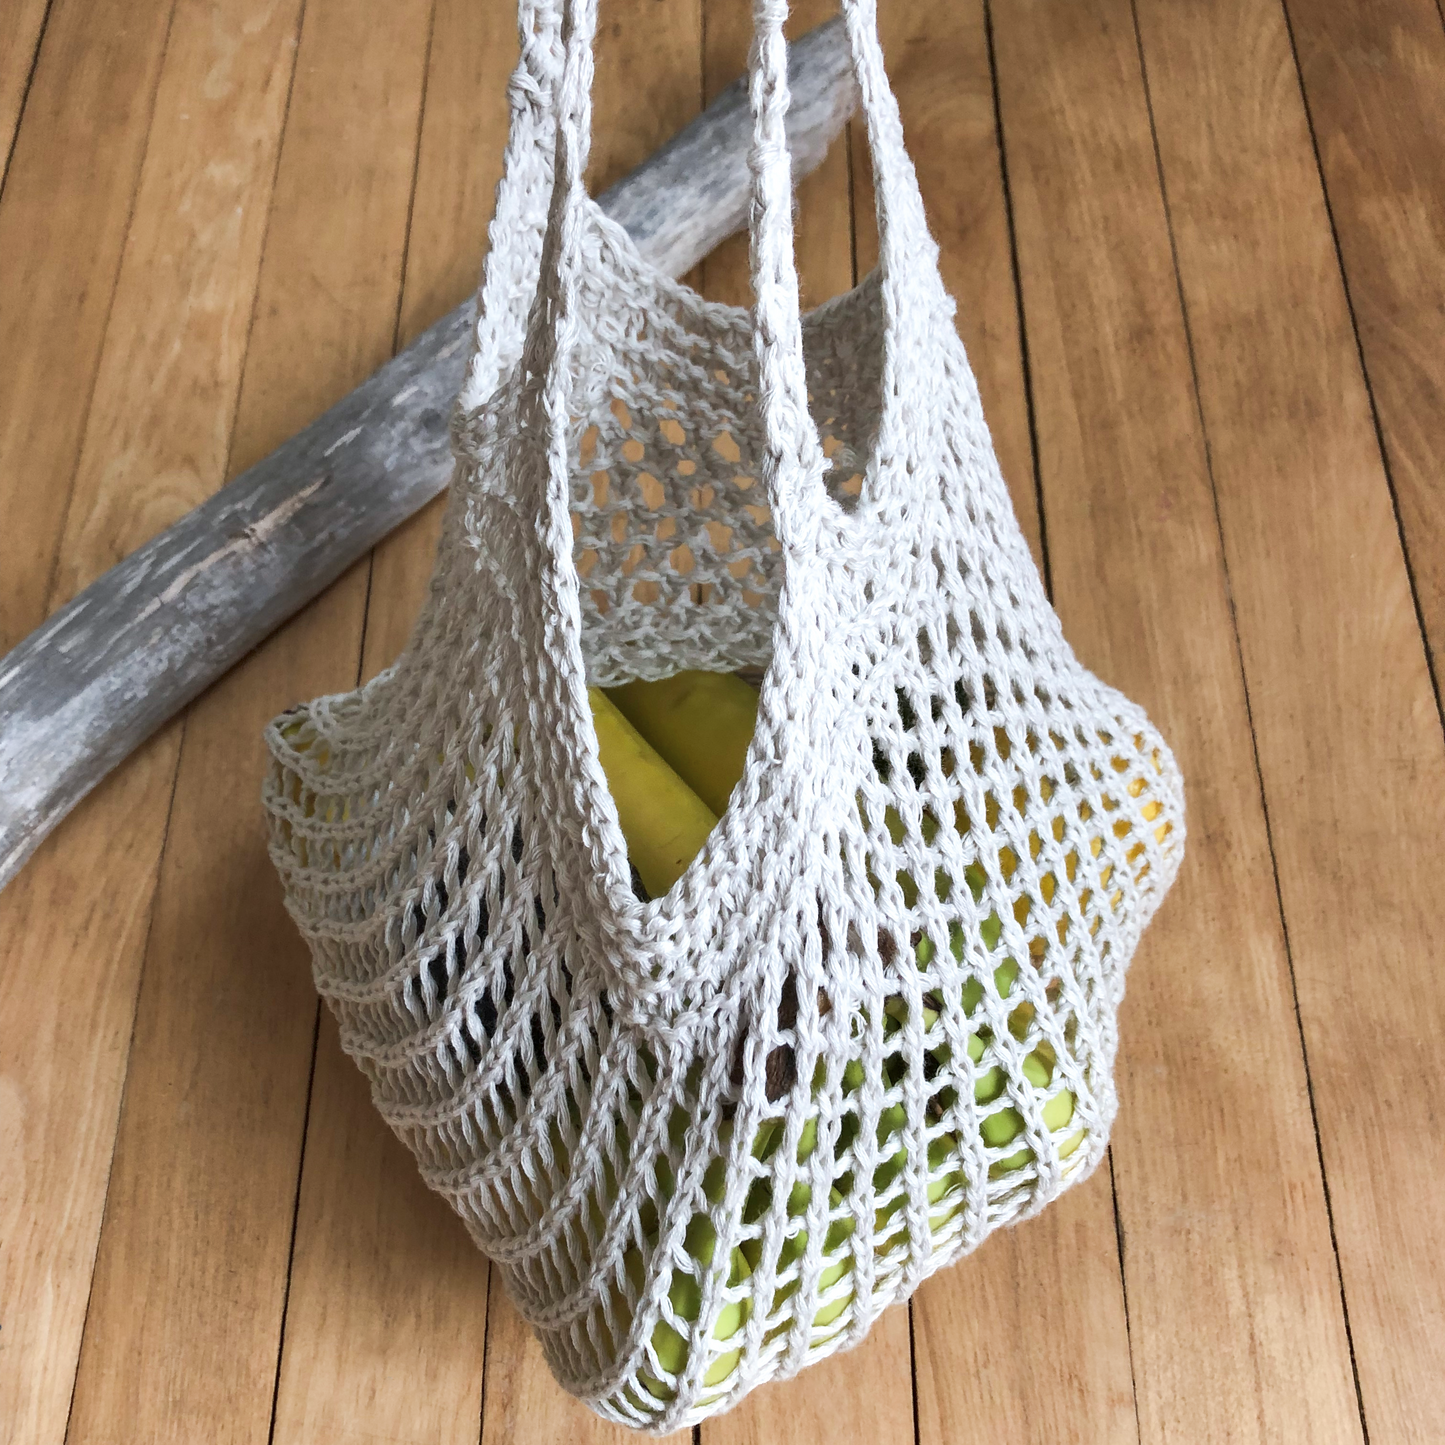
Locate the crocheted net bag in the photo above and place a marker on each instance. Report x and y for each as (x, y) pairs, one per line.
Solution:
(709, 1137)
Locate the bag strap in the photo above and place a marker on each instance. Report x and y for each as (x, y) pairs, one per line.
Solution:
(793, 466)
(512, 268)
(914, 298)
(912, 289)
(538, 461)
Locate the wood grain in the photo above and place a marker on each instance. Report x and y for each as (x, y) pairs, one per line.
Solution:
(1220, 1195)
(74, 928)
(939, 67)
(190, 1282)
(89, 899)
(388, 1296)
(1222, 548)
(64, 216)
(196, 232)
(459, 162)
(190, 1278)
(861, 1394)
(386, 1313)
(1003, 1344)
(154, 630)
(1348, 738)
(1374, 81)
(523, 1401)
(22, 23)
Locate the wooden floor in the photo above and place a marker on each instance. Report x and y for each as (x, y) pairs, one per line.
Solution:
(1197, 247)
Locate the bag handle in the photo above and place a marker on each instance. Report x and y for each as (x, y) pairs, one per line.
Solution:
(512, 268)
(912, 291)
(538, 443)
(914, 299)
(793, 466)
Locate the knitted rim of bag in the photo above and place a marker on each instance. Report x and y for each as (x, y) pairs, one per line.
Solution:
(708, 1138)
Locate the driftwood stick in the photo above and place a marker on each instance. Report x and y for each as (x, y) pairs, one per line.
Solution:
(88, 687)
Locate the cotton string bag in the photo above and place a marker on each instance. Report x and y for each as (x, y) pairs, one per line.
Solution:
(709, 1137)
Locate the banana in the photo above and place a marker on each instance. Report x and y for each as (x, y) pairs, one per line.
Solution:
(672, 752)
(663, 820)
(700, 722)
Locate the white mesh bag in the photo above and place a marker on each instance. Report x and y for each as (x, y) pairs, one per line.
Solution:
(707, 1138)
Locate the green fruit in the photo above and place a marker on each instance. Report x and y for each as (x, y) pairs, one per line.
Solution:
(710, 757)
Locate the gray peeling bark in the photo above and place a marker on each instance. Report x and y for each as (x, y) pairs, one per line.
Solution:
(88, 687)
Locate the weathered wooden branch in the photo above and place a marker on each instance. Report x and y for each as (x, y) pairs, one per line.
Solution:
(82, 691)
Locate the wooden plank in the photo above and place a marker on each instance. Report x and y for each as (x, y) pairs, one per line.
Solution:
(185, 1312)
(388, 1296)
(1029, 1335)
(1350, 749)
(22, 24)
(459, 162)
(647, 84)
(1002, 1342)
(153, 631)
(1219, 1189)
(938, 64)
(184, 1327)
(63, 222)
(199, 220)
(1374, 81)
(78, 921)
(458, 165)
(860, 1394)
(386, 1316)
(80, 916)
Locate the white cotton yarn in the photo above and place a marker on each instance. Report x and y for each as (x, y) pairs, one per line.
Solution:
(709, 1137)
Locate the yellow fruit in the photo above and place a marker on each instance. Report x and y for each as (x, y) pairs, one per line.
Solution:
(664, 822)
(700, 722)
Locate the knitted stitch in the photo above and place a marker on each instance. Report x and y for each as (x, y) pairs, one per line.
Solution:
(708, 1138)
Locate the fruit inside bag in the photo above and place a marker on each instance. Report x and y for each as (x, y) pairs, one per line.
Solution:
(673, 751)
